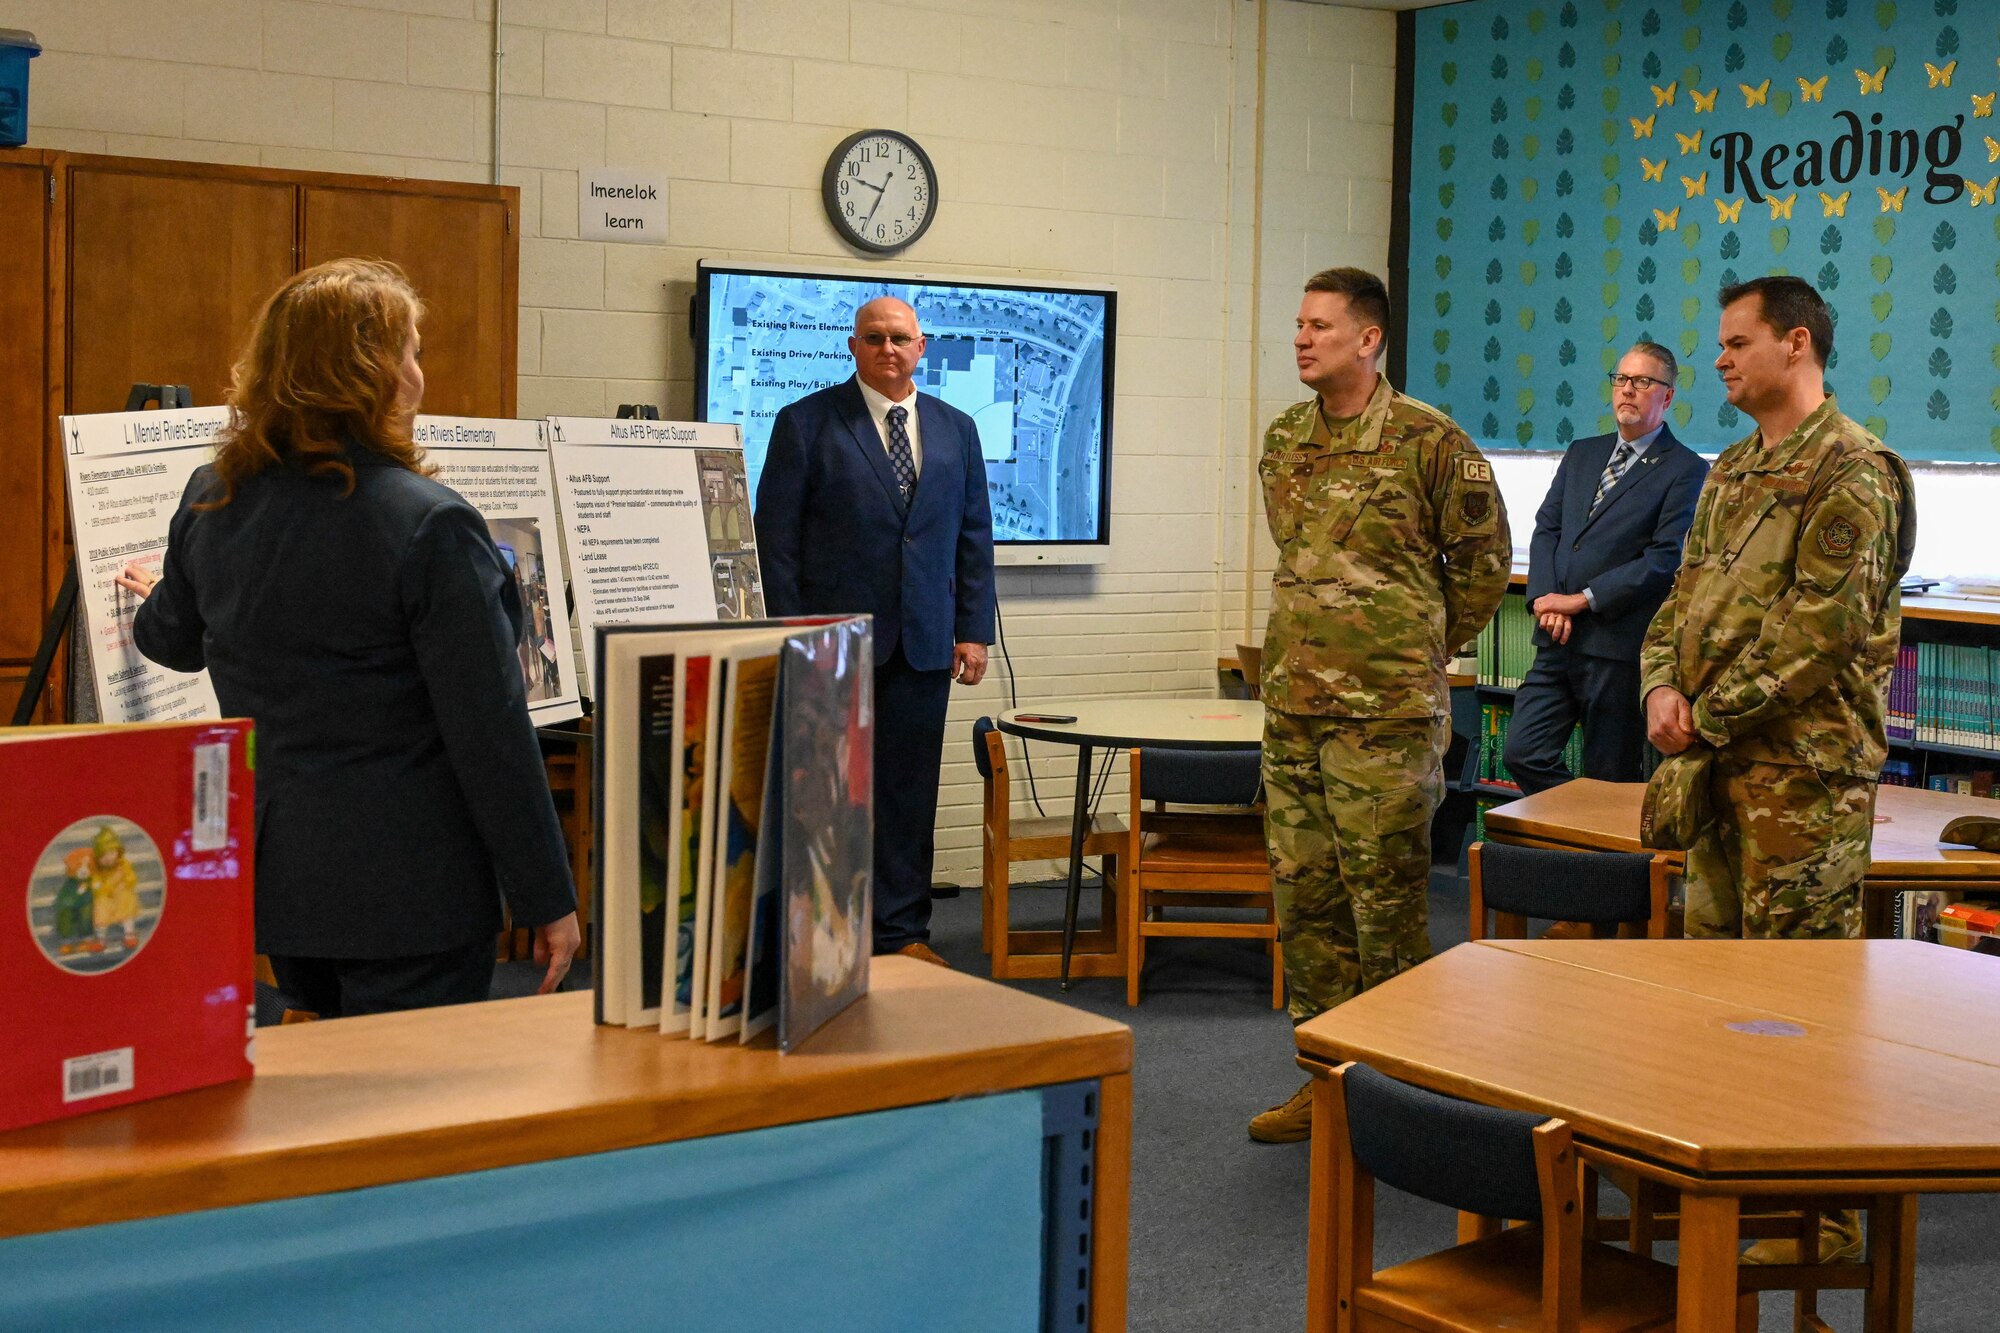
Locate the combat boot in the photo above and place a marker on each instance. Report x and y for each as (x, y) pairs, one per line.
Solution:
(1839, 1242)
(1289, 1122)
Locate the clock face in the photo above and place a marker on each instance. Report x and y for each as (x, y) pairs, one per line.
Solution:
(880, 190)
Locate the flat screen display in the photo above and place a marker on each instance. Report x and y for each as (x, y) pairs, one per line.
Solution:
(1032, 367)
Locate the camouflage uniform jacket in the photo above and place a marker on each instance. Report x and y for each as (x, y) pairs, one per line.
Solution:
(1783, 621)
(1393, 552)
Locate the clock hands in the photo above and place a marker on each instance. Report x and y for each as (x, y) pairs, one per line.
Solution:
(881, 193)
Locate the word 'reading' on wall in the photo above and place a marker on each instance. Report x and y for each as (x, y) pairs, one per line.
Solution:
(1586, 174)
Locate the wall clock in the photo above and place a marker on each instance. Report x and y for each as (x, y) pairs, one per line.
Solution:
(880, 190)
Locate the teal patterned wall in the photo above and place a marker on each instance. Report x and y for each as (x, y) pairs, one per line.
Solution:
(1587, 173)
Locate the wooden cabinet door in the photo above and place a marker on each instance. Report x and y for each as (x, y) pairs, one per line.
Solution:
(30, 473)
(166, 272)
(460, 256)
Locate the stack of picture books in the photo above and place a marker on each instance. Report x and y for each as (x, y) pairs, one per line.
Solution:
(735, 825)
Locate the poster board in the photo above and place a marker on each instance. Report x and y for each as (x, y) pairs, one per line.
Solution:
(126, 472)
(502, 469)
(657, 521)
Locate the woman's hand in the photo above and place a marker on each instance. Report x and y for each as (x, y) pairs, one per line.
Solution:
(555, 944)
(135, 580)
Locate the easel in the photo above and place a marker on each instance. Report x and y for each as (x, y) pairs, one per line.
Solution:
(638, 412)
(142, 398)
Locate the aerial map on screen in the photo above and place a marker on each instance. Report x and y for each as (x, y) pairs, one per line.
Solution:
(1026, 364)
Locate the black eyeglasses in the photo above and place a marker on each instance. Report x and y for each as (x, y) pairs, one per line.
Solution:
(894, 339)
(1639, 382)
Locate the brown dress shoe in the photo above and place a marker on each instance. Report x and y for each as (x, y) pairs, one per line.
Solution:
(1289, 1122)
(922, 952)
(1839, 1242)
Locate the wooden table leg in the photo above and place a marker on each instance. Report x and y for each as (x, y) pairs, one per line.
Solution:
(1892, 1257)
(1111, 1209)
(1320, 1213)
(1708, 1238)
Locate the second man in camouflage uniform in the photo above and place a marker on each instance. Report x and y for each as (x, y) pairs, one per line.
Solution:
(1393, 552)
(1777, 643)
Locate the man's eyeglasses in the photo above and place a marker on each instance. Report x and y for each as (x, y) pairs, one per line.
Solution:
(894, 339)
(1640, 382)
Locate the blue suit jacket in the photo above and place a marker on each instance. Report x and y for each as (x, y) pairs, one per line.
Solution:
(834, 535)
(400, 788)
(1626, 552)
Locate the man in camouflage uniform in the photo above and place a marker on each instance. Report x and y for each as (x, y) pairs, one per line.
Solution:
(1776, 645)
(1393, 552)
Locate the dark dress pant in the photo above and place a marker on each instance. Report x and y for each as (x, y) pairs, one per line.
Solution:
(346, 987)
(1562, 688)
(909, 750)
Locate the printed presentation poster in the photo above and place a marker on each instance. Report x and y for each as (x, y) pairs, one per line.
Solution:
(657, 518)
(126, 474)
(502, 468)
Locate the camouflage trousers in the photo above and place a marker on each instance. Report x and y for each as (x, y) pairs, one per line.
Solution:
(1785, 856)
(1348, 826)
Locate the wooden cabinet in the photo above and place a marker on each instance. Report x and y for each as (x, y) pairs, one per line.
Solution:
(115, 271)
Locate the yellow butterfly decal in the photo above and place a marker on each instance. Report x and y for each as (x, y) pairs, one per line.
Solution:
(1781, 208)
(1728, 212)
(1703, 101)
(1834, 205)
(1653, 171)
(1941, 75)
(1871, 83)
(1695, 184)
(1892, 203)
(1669, 220)
(1757, 96)
(1690, 143)
(1982, 194)
(1992, 149)
(1665, 96)
(1814, 91)
(1643, 129)
(1982, 107)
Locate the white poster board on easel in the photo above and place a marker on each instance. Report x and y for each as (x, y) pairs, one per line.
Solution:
(656, 517)
(126, 473)
(502, 469)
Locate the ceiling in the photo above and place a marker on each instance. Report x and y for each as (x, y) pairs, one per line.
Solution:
(1383, 4)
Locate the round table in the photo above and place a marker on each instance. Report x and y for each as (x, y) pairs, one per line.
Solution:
(1173, 724)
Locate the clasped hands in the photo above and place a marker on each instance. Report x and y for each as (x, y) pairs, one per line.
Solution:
(1556, 612)
(1669, 720)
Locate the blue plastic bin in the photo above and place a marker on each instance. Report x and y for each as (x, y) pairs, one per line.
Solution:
(17, 48)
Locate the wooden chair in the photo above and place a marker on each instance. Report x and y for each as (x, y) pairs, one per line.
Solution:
(1250, 660)
(1205, 859)
(1004, 841)
(1491, 1165)
(1611, 892)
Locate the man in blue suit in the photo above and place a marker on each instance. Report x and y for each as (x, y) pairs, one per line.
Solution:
(1606, 547)
(873, 499)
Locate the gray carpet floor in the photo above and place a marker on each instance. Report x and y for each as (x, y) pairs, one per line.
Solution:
(1218, 1226)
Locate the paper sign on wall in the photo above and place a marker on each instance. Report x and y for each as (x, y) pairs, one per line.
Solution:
(127, 471)
(657, 521)
(618, 205)
(502, 468)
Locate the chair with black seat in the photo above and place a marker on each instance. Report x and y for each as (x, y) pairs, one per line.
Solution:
(1005, 841)
(1605, 891)
(1491, 1165)
(1209, 857)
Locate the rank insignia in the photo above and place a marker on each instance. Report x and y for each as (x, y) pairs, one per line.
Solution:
(1475, 469)
(1836, 539)
(1476, 505)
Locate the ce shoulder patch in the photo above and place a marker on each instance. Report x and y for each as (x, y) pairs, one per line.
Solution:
(1475, 469)
(1836, 539)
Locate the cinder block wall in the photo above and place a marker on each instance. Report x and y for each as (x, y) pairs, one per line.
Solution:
(1095, 141)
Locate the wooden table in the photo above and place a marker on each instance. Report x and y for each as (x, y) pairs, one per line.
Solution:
(1589, 815)
(370, 1104)
(1724, 1069)
(1175, 724)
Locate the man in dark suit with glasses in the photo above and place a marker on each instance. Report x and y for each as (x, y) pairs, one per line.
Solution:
(1606, 547)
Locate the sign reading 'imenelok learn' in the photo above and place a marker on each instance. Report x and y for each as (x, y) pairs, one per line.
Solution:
(618, 205)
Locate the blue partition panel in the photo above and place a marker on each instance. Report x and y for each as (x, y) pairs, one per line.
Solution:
(924, 1218)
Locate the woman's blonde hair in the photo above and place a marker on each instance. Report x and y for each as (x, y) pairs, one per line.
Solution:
(323, 366)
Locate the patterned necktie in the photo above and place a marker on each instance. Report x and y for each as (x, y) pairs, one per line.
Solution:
(1613, 470)
(899, 451)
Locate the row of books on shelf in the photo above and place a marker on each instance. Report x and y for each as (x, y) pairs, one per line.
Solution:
(1946, 694)
(1506, 647)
